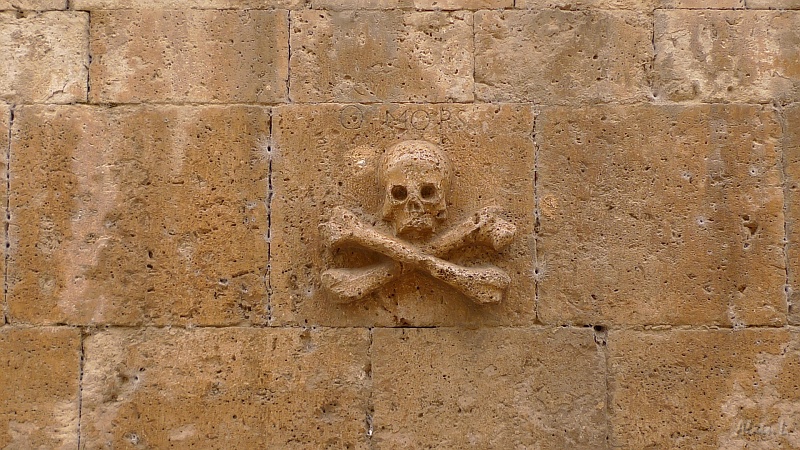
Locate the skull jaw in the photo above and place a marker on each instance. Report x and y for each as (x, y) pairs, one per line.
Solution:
(414, 226)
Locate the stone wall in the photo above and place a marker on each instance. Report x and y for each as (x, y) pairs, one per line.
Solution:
(166, 165)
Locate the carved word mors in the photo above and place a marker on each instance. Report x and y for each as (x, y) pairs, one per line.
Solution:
(415, 177)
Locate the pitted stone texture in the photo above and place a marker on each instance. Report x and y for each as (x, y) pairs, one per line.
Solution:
(416, 4)
(39, 387)
(490, 388)
(325, 156)
(661, 215)
(34, 5)
(705, 389)
(560, 57)
(186, 4)
(369, 56)
(792, 170)
(5, 117)
(189, 56)
(134, 215)
(45, 57)
(727, 56)
(646, 5)
(773, 4)
(226, 388)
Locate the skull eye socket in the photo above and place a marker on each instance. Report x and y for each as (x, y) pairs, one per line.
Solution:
(428, 191)
(399, 192)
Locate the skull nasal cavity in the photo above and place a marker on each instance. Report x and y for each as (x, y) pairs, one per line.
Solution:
(399, 192)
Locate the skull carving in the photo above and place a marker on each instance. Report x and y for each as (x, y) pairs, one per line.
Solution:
(415, 176)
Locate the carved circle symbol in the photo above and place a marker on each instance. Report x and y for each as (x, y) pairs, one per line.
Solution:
(351, 117)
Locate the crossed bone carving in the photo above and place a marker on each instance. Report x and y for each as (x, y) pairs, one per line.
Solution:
(415, 175)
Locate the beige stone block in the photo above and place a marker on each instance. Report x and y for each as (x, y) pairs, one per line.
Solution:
(139, 215)
(661, 215)
(45, 57)
(186, 4)
(559, 57)
(39, 387)
(727, 56)
(792, 171)
(773, 4)
(226, 388)
(490, 388)
(35, 5)
(710, 389)
(371, 56)
(445, 5)
(646, 5)
(189, 56)
(326, 156)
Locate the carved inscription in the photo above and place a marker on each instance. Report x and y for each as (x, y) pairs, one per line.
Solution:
(355, 117)
(415, 179)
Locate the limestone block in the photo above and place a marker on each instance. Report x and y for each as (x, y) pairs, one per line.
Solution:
(189, 56)
(727, 56)
(139, 215)
(226, 388)
(416, 4)
(35, 5)
(327, 156)
(186, 4)
(646, 5)
(45, 57)
(792, 170)
(371, 56)
(560, 57)
(5, 117)
(692, 389)
(39, 387)
(773, 4)
(661, 215)
(488, 388)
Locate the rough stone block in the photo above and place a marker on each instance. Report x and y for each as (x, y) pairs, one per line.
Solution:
(39, 387)
(559, 57)
(489, 388)
(189, 56)
(34, 5)
(773, 4)
(416, 4)
(45, 57)
(705, 389)
(326, 156)
(371, 56)
(792, 171)
(226, 388)
(645, 5)
(727, 56)
(186, 4)
(661, 215)
(132, 215)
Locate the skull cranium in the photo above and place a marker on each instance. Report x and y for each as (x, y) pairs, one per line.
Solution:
(415, 176)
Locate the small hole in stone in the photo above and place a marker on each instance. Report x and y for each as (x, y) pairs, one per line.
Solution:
(599, 328)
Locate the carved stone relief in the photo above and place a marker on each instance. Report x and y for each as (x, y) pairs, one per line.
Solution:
(415, 178)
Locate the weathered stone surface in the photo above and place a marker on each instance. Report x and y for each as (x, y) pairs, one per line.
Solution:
(189, 56)
(721, 56)
(773, 4)
(133, 215)
(36, 5)
(326, 156)
(661, 215)
(39, 387)
(45, 57)
(646, 5)
(490, 388)
(559, 57)
(792, 170)
(705, 389)
(416, 4)
(186, 4)
(226, 388)
(5, 117)
(370, 56)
